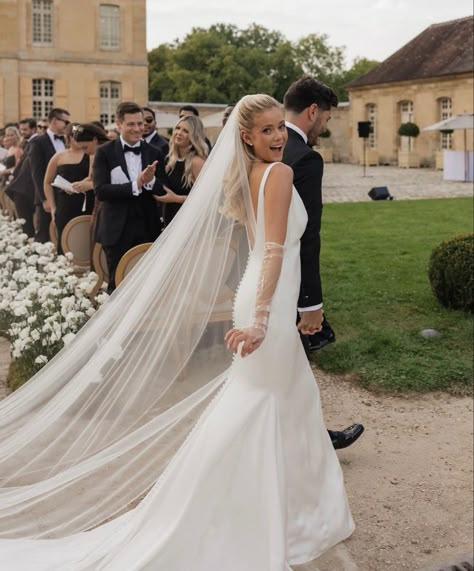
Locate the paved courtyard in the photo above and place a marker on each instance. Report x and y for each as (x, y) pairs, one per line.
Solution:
(346, 183)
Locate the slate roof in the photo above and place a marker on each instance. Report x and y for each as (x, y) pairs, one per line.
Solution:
(442, 49)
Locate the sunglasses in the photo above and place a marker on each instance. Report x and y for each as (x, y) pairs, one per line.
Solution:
(42, 126)
(65, 121)
(148, 120)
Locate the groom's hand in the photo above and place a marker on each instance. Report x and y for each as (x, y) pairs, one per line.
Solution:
(310, 321)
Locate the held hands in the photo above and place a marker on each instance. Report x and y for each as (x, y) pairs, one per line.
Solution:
(250, 337)
(169, 197)
(311, 321)
(147, 174)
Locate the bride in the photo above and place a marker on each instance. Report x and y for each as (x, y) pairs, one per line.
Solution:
(155, 442)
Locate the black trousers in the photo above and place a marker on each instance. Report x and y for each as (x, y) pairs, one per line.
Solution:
(25, 209)
(134, 233)
(42, 222)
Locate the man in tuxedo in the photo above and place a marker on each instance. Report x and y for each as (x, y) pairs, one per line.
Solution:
(21, 188)
(149, 132)
(126, 173)
(308, 105)
(43, 148)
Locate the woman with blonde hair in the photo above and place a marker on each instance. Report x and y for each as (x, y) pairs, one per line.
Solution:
(165, 450)
(187, 153)
(11, 142)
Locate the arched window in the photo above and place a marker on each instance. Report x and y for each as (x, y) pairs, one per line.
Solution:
(109, 93)
(43, 97)
(445, 111)
(371, 115)
(406, 116)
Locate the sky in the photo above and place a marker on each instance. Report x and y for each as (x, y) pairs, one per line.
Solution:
(374, 29)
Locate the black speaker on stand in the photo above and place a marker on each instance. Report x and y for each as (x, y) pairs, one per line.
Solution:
(363, 129)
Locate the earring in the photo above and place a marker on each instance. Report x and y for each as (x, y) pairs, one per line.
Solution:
(250, 144)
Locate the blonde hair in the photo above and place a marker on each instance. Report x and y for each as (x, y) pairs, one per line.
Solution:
(198, 147)
(15, 131)
(247, 109)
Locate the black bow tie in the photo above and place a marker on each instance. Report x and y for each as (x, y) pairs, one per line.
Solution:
(127, 149)
(60, 137)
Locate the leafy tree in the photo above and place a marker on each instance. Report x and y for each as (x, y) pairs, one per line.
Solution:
(360, 67)
(222, 63)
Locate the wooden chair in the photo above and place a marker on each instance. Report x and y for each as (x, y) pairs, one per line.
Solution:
(129, 260)
(99, 261)
(76, 239)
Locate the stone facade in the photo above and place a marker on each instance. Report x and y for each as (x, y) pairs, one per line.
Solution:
(83, 56)
(427, 97)
(425, 81)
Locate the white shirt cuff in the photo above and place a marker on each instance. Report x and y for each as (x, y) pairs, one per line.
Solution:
(135, 190)
(310, 308)
(150, 185)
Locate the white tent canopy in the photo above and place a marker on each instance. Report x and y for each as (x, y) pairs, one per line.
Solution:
(462, 121)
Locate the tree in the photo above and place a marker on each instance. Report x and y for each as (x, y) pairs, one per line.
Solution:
(360, 67)
(222, 63)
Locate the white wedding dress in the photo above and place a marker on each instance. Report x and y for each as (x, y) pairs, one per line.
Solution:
(256, 486)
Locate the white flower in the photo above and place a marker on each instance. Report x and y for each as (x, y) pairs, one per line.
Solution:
(41, 360)
(68, 338)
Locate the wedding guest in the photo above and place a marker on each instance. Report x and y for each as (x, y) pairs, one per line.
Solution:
(27, 130)
(73, 165)
(44, 147)
(188, 151)
(227, 111)
(11, 142)
(20, 188)
(149, 132)
(126, 174)
(189, 110)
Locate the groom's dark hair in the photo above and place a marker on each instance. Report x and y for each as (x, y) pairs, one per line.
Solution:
(306, 91)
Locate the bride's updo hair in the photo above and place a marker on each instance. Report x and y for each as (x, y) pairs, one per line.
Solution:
(247, 109)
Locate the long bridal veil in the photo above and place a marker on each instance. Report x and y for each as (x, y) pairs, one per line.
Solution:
(85, 439)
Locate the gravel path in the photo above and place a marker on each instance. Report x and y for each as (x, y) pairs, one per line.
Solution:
(346, 183)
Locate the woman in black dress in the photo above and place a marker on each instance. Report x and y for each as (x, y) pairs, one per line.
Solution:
(74, 165)
(188, 151)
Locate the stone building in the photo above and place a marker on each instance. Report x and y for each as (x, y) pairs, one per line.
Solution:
(425, 81)
(83, 56)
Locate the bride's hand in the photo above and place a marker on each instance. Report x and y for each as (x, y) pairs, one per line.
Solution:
(250, 337)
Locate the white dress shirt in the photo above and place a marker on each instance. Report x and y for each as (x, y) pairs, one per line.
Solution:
(58, 144)
(305, 139)
(135, 167)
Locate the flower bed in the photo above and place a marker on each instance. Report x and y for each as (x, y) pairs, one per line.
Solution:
(43, 304)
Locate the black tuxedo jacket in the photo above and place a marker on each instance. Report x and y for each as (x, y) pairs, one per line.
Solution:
(307, 168)
(161, 143)
(42, 150)
(22, 181)
(119, 206)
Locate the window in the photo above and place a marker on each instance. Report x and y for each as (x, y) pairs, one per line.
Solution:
(445, 111)
(109, 27)
(406, 116)
(42, 22)
(372, 117)
(109, 93)
(43, 97)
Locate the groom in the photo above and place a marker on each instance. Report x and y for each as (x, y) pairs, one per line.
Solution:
(308, 105)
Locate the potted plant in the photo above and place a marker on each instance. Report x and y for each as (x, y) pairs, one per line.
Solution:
(408, 158)
(324, 147)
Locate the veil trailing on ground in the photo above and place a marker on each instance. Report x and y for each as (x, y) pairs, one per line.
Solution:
(86, 438)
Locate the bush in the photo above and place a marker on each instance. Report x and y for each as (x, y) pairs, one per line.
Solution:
(409, 130)
(451, 272)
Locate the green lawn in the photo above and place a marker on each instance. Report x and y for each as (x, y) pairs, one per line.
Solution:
(378, 298)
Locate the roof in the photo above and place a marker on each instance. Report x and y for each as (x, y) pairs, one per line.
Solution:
(442, 49)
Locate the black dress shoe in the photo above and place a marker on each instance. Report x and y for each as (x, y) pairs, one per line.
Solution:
(322, 338)
(344, 438)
